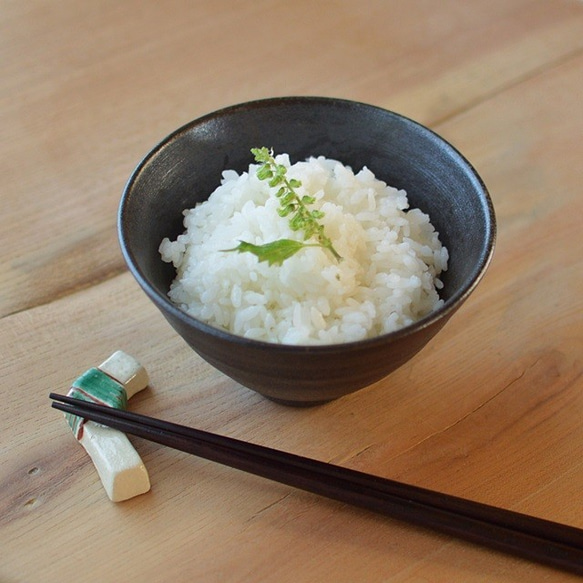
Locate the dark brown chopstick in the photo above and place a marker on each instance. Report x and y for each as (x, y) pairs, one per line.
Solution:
(536, 539)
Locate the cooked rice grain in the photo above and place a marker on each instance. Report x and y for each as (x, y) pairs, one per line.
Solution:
(388, 277)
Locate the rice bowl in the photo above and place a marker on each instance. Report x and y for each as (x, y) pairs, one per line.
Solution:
(183, 169)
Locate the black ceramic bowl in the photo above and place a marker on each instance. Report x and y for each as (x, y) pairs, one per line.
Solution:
(186, 167)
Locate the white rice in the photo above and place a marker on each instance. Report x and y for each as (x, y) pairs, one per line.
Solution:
(388, 277)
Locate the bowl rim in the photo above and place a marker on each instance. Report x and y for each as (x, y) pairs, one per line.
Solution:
(442, 313)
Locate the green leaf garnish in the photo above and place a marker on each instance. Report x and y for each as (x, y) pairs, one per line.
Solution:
(290, 205)
(275, 253)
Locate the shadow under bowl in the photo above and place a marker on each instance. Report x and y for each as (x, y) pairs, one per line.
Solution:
(186, 167)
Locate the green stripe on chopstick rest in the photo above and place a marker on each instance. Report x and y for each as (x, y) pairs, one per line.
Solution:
(96, 387)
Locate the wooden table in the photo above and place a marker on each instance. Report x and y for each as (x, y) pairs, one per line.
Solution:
(492, 410)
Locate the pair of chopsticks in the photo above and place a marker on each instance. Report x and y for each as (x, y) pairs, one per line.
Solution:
(536, 539)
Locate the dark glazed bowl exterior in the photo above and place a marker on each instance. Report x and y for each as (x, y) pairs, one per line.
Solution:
(186, 167)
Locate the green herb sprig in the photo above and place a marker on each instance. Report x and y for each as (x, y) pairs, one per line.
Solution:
(292, 205)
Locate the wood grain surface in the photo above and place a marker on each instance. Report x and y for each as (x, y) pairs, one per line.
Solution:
(491, 410)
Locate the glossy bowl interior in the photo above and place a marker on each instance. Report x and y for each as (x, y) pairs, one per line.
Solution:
(186, 167)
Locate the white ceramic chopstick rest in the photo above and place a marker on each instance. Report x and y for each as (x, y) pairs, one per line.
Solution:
(118, 464)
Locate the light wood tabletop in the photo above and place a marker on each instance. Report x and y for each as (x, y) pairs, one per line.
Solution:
(491, 410)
